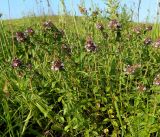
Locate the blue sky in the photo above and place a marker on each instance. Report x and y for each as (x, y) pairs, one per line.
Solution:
(20, 8)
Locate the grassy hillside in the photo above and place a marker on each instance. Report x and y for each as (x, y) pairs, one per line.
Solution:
(66, 76)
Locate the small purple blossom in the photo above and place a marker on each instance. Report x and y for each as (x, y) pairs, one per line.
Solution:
(141, 87)
(100, 26)
(48, 25)
(156, 44)
(57, 65)
(114, 24)
(156, 80)
(90, 46)
(30, 31)
(137, 30)
(21, 37)
(16, 63)
(82, 10)
(131, 69)
(147, 41)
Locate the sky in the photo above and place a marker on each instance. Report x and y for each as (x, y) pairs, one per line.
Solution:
(19, 8)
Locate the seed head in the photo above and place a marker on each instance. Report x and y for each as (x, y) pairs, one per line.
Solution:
(82, 10)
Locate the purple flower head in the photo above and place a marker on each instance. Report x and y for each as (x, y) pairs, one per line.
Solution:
(16, 63)
(156, 44)
(57, 65)
(141, 87)
(90, 46)
(30, 31)
(100, 26)
(156, 80)
(95, 13)
(114, 24)
(21, 37)
(137, 30)
(48, 25)
(131, 69)
(147, 41)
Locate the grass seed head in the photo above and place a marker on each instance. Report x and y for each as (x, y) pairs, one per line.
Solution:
(82, 10)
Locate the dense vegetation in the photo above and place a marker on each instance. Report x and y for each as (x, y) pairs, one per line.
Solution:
(90, 76)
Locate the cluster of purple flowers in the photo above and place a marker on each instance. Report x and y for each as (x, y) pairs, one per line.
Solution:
(90, 46)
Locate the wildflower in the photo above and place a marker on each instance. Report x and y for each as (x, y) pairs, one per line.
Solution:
(156, 80)
(114, 25)
(156, 44)
(48, 25)
(100, 26)
(141, 87)
(90, 46)
(82, 10)
(131, 69)
(137, 30)
(57, 65)
(66, 49)
(16, 63)
(147, 41)
(21, 37)
(29, 31)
